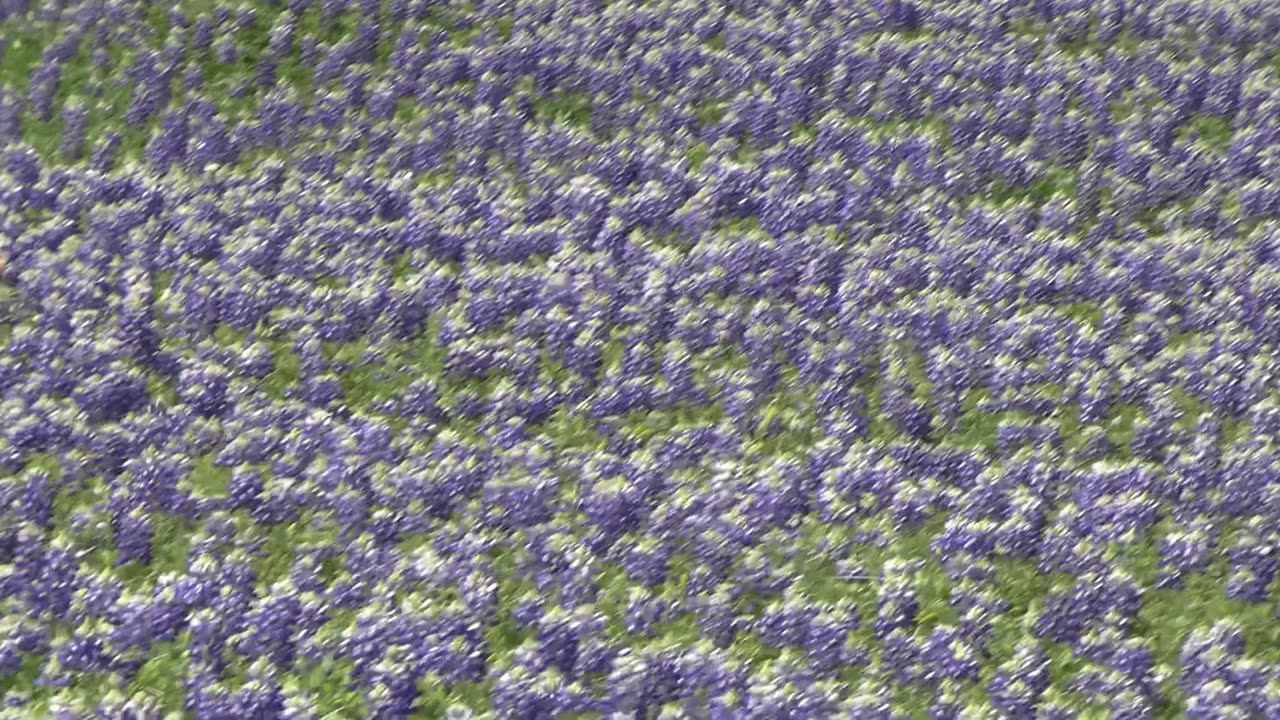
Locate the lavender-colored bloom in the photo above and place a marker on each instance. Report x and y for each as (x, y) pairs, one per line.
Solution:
(594, 358)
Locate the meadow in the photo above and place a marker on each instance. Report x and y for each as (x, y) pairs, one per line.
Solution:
(534, 359)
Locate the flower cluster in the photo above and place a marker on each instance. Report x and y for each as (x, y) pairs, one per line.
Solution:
(886, 358)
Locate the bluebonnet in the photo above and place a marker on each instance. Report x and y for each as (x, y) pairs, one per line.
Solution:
(669, 339)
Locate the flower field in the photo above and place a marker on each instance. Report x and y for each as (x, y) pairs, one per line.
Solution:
(763, 359)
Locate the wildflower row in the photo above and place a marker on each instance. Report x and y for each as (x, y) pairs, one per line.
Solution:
(603, 359)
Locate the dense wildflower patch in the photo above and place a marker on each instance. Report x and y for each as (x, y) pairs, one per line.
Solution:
(602, 359)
